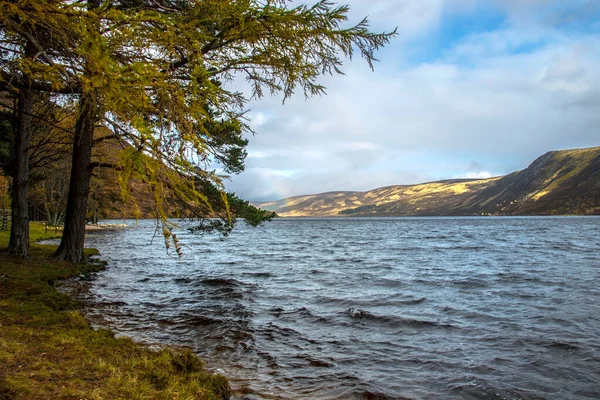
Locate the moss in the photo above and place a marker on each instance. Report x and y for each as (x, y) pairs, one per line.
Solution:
(186, 362)
(49, 351)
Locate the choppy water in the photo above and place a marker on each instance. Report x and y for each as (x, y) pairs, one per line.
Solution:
(424, 308)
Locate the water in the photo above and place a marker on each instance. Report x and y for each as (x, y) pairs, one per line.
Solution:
(424, 308)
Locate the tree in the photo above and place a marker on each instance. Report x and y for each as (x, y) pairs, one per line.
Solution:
(23, 61)
(48, 142)
(152, 71)
(195, 46)
(7, 122)
(50, 192)
(19, 231)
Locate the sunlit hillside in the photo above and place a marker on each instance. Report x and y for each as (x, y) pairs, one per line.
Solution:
(559, 182)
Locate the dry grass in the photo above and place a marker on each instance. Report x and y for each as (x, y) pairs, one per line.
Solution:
(49, 351)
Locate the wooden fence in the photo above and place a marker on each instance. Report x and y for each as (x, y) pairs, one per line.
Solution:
(5, 220)
(35, 214)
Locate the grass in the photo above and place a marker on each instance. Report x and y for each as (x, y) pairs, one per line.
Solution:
(49, 351)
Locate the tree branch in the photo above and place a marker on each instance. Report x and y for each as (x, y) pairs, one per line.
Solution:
(9, 80)
(107, 137)
(28, 36)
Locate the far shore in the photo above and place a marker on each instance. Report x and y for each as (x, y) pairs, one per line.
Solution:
(105, 227)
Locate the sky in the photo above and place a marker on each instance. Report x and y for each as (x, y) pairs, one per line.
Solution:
(468, 89)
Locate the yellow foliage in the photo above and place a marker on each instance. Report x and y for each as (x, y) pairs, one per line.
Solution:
(4, 194)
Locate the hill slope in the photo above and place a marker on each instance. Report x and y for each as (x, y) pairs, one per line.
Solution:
(559, 182)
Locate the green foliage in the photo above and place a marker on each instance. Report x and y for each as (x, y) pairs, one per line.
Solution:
(359, 209)
(231, 209)
(160, 74)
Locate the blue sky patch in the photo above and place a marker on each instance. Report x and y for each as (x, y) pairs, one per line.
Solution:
(454, 28)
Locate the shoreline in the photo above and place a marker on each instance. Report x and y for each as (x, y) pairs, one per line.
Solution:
(49, 350)
(105, 227)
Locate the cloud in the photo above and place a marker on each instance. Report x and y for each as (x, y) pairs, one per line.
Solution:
(500, 97)
(554, 13)
(411, 17)
(475, 175)
(565, 72)
(280, 187)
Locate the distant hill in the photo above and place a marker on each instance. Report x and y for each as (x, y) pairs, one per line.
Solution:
(559, 182)
(107, 197)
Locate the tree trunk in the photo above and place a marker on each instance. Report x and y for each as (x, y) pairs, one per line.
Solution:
(72, 242)
(19, 231)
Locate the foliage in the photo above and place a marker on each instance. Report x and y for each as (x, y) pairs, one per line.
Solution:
(4, 194)
(192, 120)
(233, 207)
(359, 209)
(159, 74)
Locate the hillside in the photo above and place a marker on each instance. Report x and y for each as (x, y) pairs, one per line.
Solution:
(559, 182)
(106, 196)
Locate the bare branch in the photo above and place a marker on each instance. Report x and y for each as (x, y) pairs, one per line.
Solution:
(10, 80)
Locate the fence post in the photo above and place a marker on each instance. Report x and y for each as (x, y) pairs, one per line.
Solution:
(5, 220)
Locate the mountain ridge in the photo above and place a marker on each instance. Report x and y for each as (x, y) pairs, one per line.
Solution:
(558, 182)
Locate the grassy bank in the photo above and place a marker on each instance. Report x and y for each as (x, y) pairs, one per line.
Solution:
(49, 351)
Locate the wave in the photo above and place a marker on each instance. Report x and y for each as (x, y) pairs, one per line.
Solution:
(411, 302)
(467, 248)
(481, 389)
(301, 312)
(192, 320)
(418, 308)
(470, 283)
(259, 274)
(154, 305)
(562, 346)
(393, 320)
(393, 299)
(315, 362)
(547, 343)
(113, 304)
(183, 280)
(226, 262)
(375, 395)
(273, 329)
(220, 282)
(517, 278)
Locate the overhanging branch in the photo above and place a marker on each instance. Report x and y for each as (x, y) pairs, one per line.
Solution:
(10, 80)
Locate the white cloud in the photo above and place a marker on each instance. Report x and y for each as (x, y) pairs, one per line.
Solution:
(502, 98)
(548, 12)
(259, 119)
(475, 175)
(412, 17)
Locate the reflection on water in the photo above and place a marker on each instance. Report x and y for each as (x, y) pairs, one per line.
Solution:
(426, 308)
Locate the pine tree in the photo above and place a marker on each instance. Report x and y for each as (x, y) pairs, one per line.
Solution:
(158, 73)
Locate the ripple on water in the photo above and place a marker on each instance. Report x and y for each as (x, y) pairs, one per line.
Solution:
(432, 308)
